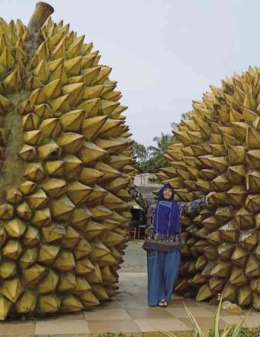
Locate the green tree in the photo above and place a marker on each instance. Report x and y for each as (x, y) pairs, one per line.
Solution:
(151, 159)
(156, 153)
(141, 157)
(140, 152)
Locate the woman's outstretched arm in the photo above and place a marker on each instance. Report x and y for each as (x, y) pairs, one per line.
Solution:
(139, 198)
(195, 205)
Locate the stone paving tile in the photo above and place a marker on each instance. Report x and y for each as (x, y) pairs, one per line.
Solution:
(59, 335)
(26, 336)
(131, 296)
(137, 304)
(113, 326)
(136, 278)
(132, 290)
(252, 312)
(127, 284)
(210, 307)
(161, 324)
(107, 314)
(65, 326)
(180, 304)
(140, 284)
(252, 321)
(196, 311)
(153, 313)
(111, 304)
(134, 275)
(124, 296)
(16, 329)
(204, 322)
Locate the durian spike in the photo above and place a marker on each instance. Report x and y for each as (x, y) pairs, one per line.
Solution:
(8, 269)
(49, 283)
(229, 292)
(84, 266)
(71, 303)
(238, 277)
(244, 296)
(26, 303)
(65, 261)
(12, 289)
(88, 299)
(82, 286)
(5, 307)
(95, 276)
(204, 293)
(71, 238)
(48, 303)
(91, 153)
(252, 267)
(99, 292)
(33, 274)
(67, 282)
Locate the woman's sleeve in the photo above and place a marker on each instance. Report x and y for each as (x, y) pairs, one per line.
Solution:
(193, 206)
(140, 199)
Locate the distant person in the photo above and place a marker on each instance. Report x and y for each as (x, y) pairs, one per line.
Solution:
(162, 239)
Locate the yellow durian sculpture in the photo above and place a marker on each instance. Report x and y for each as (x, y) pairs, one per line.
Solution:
(219, 150)
(65, 159)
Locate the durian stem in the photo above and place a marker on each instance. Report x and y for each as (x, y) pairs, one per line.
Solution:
(40, 15)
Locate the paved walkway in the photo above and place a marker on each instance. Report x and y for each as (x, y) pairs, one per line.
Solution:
(127, 311)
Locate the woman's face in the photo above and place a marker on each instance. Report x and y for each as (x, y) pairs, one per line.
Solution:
(167, 193)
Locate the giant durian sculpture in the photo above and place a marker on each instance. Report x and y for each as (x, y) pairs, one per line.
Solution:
(219, 150)
(65, 158)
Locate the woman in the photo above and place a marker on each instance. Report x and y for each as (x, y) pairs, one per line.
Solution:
(163, 243)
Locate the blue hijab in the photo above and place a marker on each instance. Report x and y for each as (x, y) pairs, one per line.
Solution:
(167, 214)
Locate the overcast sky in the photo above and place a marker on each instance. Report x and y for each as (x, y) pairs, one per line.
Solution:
(164, 53)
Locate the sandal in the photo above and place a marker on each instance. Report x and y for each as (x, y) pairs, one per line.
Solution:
(162, 304)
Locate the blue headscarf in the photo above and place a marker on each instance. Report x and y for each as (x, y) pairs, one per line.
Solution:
(167, 214)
